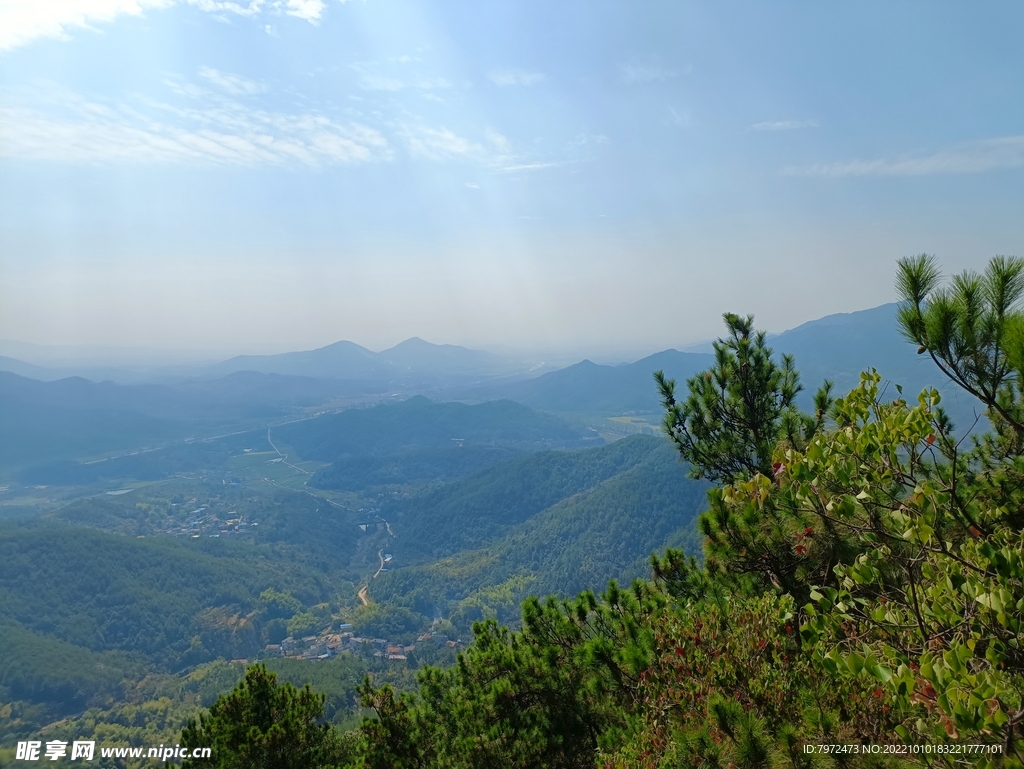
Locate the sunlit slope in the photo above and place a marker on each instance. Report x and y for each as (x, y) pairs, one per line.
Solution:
(626, 505)
(475, 510)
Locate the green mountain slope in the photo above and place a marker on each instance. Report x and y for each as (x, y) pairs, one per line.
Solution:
(356, 473)
(178, 603)
(420, 423)
(605, 531)
(473, 511)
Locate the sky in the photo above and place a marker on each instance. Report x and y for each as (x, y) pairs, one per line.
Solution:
(266, 175)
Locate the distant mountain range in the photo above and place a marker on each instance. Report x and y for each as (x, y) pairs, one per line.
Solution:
(837, 347)
(411, 361)
(74, 417)
(414, 359)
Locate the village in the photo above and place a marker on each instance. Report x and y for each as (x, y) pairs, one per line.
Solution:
(211, 525)
(329, 644)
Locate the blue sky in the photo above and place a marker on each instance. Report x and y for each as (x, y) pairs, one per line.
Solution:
(593, 176)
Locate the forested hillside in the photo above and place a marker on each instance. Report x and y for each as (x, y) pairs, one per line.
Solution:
(358, 473)
(177, 603)
(606, 527)
(420, 423)
(480, 508)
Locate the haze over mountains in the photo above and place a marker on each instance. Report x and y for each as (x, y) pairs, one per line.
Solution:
(851, 340)
(74, 417)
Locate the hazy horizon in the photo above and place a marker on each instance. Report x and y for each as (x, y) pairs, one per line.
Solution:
(596, 177)
(56, 356)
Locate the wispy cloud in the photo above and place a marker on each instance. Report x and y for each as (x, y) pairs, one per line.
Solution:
(22, 21)
(784, 125)
(647, 73)
(441, 144)
(678, 119)
(493, 151)
(538, 165)
(252, 8)
(473, 185)
(970, 158)
(233, 84)
(506, 77)
(372, 78)
(223, 132)
(588, 140)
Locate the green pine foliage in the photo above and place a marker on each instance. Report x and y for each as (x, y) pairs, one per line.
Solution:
(265, 724)
(738, 411)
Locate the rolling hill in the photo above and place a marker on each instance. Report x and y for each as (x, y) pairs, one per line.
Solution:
(539, 525)
(419, 423)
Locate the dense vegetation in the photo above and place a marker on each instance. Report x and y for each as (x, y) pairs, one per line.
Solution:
(604, 529)
(478, 509)
(174, 602)
(864, 588)
(420, 423)
(359, 473)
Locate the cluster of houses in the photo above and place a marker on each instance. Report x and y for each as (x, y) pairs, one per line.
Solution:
(327, 645)
(198, 525)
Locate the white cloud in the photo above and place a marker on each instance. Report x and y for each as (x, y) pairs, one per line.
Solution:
(585, 140)
(441, 143)
(644, 73)
(678, 119)
(380, 83)
(310, 10)
(223, 132)
(226, 6)
(494, 152)
(473, 185)
(22, 21)
(784, 125)
(515, 77)
(970, 158)
(539, 165)
(233, 84)
(372, 79)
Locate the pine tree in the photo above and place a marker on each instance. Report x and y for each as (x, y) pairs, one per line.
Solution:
(264, 725)
(738, 411)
